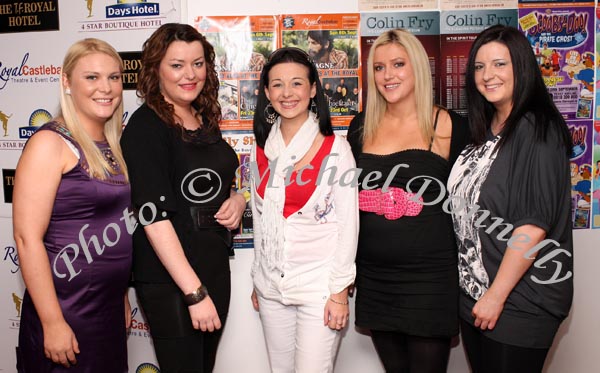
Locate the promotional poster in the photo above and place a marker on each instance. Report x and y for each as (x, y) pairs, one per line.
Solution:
(581, 172)
(458, 30)
(424, 25)
(562, 39)
(331, 40)
(242, 45)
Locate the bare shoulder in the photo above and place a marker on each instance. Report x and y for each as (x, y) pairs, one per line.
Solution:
(44, 141)
(44, 150)
(444, 124)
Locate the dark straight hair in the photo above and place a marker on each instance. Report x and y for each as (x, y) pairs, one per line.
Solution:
(286, 55)
(530, 94)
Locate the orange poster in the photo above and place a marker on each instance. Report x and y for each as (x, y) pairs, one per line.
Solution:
(242, 45)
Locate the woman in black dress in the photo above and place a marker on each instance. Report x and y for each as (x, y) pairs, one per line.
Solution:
(181, 171)
(406, 282)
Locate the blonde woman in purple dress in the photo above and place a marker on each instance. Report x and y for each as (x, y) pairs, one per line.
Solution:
(71, 223)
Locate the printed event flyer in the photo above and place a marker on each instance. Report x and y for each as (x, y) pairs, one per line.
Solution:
(396, 4)
(581, 172)
(242, 46)
(241, 142)
(526, 3)
(424, 25)
(596, 180)
(478, 4)
(332, 42)
(458, 31)
(562, 39)
(596, 136)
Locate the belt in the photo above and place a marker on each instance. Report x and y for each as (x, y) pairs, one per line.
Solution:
(203, 218)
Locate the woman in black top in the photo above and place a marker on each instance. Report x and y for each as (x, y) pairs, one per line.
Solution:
(407, 288)
(510, 193)
(181, 171)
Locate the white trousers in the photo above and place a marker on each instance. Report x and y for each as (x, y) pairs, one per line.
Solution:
(297, 340)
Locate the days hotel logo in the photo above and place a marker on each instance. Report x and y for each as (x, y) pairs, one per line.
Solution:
(132, 8)
(125, 15)
(147, 368)
(36, 119)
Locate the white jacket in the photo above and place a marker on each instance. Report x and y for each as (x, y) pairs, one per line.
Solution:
(320, 245)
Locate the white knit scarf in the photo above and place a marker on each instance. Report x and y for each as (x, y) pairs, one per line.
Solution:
(285, 157)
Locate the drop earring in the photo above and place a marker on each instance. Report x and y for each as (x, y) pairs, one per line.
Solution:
(270, 114)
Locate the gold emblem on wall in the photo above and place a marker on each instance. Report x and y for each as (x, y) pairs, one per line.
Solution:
(4, 120)
(17, 301)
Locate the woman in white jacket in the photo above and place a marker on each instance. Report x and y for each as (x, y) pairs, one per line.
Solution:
(305, 217)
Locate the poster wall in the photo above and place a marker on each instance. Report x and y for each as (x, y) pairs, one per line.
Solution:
(35, 37)
(562, 39)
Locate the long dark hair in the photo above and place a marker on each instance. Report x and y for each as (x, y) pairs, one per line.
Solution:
(148, 87)
(530, 94)
(283, 55)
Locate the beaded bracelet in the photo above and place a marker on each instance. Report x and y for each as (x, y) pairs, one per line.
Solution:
(336, 302)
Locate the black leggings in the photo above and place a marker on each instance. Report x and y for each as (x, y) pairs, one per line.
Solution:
(401, 353)
(488, 356)
(179, 347)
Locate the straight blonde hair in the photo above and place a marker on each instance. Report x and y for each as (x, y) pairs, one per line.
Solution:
(376, 104)
(99, 167)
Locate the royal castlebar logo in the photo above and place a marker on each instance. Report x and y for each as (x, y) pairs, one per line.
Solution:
(11, 257)
(139, 327)
(28, 72)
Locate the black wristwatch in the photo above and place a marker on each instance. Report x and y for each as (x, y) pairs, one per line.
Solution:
(196, 297)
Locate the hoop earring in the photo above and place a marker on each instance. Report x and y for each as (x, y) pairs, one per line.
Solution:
(313, 108)
(270, 114)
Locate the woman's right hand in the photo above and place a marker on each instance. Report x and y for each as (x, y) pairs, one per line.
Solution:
(254, 298)
(60, 343)
(204, 315)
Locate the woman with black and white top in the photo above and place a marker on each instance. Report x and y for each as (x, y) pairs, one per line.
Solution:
(510, 193)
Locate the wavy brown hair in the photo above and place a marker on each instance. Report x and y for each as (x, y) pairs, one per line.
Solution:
(148, 87)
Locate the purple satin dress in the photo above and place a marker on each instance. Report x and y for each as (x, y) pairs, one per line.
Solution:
(90, 250)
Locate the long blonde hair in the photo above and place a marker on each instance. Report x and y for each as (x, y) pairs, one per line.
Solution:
(376, 104)
(98, 166)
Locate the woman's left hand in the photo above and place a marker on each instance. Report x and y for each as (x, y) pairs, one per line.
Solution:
(336, 314)
(230, 212)
(487, 311)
